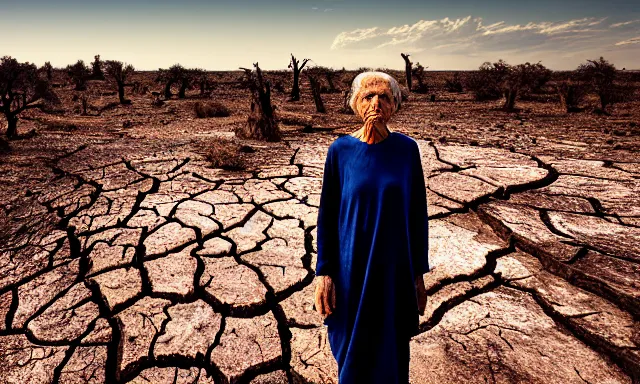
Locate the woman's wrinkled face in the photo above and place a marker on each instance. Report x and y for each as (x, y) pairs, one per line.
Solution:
(375, 100)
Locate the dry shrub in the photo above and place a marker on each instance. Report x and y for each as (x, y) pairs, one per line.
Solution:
(211, 109)
(419, 74)
(486, 82)
(454, 84)
(484, 87)
(494, 80)
(79, 73)
(600, 75)
(571, 95)
(225, 154)
(140, 88)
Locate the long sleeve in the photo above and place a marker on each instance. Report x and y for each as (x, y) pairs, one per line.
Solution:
(419, 218)
(328, 214)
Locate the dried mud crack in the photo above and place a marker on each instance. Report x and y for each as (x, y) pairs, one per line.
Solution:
(156, 267)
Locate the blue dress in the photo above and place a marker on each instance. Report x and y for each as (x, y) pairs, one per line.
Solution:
(373, 241)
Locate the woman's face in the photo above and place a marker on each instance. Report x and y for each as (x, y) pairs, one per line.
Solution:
(375, 100)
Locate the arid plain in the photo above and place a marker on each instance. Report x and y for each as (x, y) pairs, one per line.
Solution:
(127, 256)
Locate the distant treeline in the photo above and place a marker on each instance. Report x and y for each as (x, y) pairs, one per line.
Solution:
(25, 86)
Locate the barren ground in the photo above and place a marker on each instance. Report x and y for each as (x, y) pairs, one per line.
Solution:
(125, 257)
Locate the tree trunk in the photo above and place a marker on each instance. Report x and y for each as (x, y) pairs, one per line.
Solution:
(261, 122)
(121, 93)
(295, 91)
(12, 127)
(183, 90)
(329, 77)
(407, 69)
(315, 90)
(510, 99)
(570, 96)
(167, 90)
(604, 100)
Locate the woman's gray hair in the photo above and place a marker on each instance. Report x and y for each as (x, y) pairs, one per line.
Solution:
(357, 85)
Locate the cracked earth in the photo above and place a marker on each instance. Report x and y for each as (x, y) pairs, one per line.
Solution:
(134, 261)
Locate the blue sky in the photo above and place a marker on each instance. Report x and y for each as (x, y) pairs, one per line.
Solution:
(221, 35)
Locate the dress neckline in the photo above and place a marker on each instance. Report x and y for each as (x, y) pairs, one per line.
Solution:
(374, 144)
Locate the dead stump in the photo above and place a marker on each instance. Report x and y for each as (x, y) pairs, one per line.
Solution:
(315, 90)
(261, 122)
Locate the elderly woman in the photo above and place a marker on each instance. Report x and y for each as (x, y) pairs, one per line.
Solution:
(372, 240)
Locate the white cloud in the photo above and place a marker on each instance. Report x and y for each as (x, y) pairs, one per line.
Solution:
(617, 25)
(575, 26)
(500, 27)
(345, 38)
(468, 36)
(404, 34)
(633, 40)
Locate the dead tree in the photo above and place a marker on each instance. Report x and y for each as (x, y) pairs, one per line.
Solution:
(85, 98)
(522, 78)
(261, 123)
(315, 90)
(407, 69)
(164, 78)
(79, 74)
(199, 77)
(85, 103)
(48, 70)
(120, 73)
(185, 78)
(571, 94)
(176, 74)
(346, 108)
(600, 76)
(96, 71)
(21, 89)
(330, 74)
(295, 91)
(419, 73)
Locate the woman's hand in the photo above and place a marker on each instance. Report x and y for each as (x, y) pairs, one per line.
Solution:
(422, 294)
(325, 295)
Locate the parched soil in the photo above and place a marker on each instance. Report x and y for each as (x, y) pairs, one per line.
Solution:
(125, 256)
